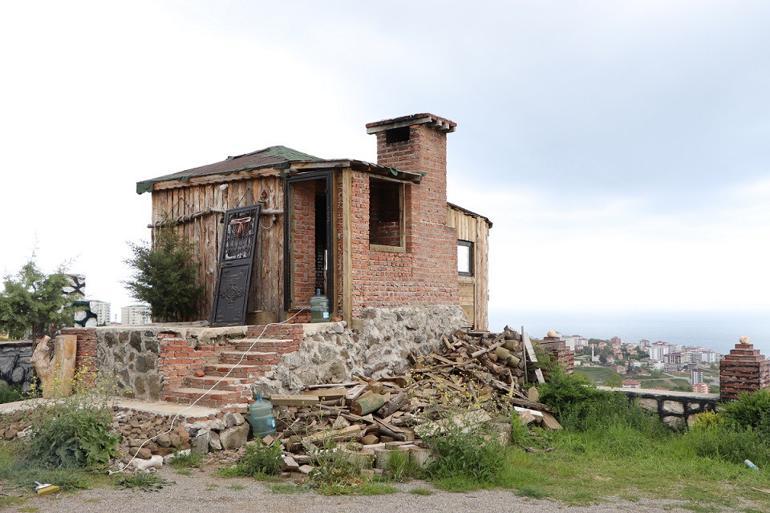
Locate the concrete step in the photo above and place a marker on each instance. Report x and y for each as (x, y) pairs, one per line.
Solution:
(249, 358)
(214, 398)
(238, 371)
(275, 345)
(206, 382)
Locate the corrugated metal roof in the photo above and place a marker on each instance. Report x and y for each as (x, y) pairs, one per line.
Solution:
(272, 156)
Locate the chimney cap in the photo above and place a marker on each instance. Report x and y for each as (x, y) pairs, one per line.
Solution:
(425, 118)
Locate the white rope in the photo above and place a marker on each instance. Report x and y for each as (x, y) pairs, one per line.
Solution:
(222, 378)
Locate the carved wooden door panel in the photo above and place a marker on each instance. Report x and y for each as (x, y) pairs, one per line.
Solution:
(236, 258)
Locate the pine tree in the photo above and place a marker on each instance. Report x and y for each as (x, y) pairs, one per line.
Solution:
(166, 277)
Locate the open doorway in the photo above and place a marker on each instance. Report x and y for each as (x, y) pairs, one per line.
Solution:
(308, 247)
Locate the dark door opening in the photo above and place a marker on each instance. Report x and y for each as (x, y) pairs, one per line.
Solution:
(308, 240)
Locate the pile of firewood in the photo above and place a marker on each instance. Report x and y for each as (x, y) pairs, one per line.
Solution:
(474, 375)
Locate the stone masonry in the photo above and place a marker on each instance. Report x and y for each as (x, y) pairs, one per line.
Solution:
(15, 366)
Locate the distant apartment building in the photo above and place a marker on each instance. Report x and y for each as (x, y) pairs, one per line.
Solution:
(102, 311)
(575, 342)
(659, 350)
(696, 376)
(135, 315)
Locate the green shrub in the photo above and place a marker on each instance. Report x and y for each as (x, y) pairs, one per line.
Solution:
(465, 455)
(581, 406)
(750, 411)
(259, 460)
(519, 432)
(9, 394)
(72, 433)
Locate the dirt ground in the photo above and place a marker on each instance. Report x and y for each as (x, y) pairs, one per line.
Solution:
(202, 492)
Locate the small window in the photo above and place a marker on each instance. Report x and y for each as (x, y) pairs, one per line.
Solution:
(386, 215)
(395, 135)
(464, 258)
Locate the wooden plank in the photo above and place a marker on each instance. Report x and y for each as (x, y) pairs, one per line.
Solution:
(530, 348)
(347, 245)
(294, 400)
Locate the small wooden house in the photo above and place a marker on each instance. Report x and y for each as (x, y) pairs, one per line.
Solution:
(365, 235)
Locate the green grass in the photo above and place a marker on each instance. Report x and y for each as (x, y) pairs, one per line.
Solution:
(420, 490)
(592, 467)
(597, 375)
(287, 489)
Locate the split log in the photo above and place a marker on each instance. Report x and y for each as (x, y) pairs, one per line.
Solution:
(393, 405)
(367, 403)
(57, 371)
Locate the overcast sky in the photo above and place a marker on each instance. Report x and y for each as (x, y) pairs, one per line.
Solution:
(622, 149)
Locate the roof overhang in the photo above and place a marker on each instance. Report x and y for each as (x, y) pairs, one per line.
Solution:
(358, 165)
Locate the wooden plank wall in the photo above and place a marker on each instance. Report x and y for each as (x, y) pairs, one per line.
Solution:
(205, 233)
(476, 287)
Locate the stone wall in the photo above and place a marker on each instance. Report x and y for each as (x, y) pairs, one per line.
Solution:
(379, 346)
(15, 366)
(131, 356)
(675, 409)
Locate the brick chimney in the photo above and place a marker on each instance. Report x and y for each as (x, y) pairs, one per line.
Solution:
(417, 143)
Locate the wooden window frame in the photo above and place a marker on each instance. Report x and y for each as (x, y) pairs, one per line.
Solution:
(401, 248)
(471, 250)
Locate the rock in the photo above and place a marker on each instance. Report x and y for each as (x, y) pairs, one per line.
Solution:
(214, 442)
(163, 440)
(370, 439)
(673, 421)
(234, 437)
(200, 444)
(673, 407)
(233, 419)
(533, 394)
(649, 404)
(147, 463)
(176, 440)
(305, 469)
(143, 453)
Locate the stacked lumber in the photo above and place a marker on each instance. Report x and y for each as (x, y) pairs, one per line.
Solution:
(475, 375)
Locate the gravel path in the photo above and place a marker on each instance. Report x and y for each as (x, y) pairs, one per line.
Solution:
(204, 493)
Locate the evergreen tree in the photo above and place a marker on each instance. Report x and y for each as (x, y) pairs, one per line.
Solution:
(33, 304)
(166, 277)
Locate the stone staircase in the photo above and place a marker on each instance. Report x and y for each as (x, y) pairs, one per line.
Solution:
(244, 359)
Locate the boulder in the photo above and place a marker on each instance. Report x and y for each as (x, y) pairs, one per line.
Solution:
(215, 444)
(233, 419)
(234, 437)
(200, 444)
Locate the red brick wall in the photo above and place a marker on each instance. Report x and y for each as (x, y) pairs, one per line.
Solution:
(85, 357)
(426, 272)
(745, 369)
(178, 360)
(302, 242)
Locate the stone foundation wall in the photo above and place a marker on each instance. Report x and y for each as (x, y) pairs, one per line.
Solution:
(15, 365)
(378, 347)
(675, 409)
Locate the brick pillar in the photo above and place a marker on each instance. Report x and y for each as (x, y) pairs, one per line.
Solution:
(745, 369)
(85, 357)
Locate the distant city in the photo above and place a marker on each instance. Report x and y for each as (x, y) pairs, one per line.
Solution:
(646, 364)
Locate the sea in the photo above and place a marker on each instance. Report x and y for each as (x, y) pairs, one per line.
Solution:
(716, 330)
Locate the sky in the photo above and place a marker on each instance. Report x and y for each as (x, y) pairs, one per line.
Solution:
(622, 148)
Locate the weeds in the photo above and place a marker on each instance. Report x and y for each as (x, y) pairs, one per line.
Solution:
(144, 481)
(9, 394)
(286, 488)
(421, 491)
(466, 456)
(401, 467)
(259, 461)
(334, 473)
(186, 460)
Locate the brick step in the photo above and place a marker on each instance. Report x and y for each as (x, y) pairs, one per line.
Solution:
(249, 358)
(275, 331)
(206, 382)
(239, 371)
(275, 345)
(214, 398)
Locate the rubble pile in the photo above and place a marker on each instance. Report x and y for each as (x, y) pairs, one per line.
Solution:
(473, 378)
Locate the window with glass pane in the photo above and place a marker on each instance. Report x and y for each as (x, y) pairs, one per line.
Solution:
(465, 258)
